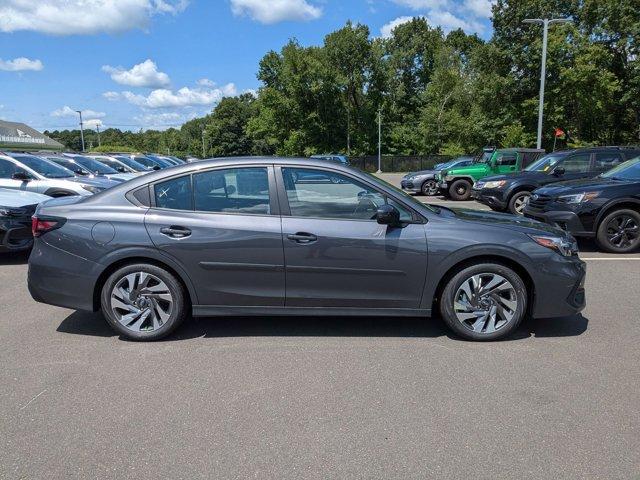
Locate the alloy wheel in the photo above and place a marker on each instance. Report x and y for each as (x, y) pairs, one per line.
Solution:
(520, 203)
(141, 302)
(430, 187)
(622, 231)
(485, 303)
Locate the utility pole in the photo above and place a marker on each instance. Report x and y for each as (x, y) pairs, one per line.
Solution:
(81, 129)
(98, 130)
(379, 141)
(203, 147)
(545, 22)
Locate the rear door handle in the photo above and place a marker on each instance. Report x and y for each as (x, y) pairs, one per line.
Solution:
(175, 231)
(302, 237)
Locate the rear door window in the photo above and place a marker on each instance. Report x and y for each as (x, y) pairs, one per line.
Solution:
(235, 190)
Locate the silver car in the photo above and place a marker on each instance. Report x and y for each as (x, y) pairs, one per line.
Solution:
(21, 171)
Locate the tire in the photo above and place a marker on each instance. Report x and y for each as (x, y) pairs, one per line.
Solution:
(497, 209)
(489, 316)
(460, 190)
(429, 188)
(619, 231)
(164, 301)
(518, 202)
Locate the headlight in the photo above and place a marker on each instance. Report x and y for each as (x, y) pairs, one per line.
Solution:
(92, 188)
(563, 246)
(494, 184)
(578, 197)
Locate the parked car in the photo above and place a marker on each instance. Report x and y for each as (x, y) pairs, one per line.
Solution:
(606, 207)
(16, 209)
(512, 191)
(457, 182)
(120, 166)
(21, 171)
(218, 238)
(154, 163)
(94, 166)
(424, 181)
(139, 164)
(341, 159)
(162, 160)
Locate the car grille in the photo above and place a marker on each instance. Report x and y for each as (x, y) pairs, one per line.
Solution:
(538, 202)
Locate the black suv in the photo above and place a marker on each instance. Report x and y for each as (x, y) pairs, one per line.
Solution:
(606, 207)
(512, 191)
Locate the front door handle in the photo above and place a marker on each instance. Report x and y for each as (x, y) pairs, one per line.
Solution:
(302, 237)
(175, 231)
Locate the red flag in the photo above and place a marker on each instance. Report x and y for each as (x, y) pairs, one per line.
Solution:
(559, 132)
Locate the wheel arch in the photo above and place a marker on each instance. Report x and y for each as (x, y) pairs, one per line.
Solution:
(618, 204)
(522, 187)
(59, 192)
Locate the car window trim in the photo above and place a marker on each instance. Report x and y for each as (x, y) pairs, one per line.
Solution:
(274, 206)
(286, 208)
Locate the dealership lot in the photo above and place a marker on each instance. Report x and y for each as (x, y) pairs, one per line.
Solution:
(323, 397)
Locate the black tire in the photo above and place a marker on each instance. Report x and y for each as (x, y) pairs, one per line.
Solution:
(517, 293)
(460, 190)
(516, 205)
(176, 316)
(625, 222)
(429, 188)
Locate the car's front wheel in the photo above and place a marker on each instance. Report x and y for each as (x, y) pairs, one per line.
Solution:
(460, 190)
(143, 302)
(619, 232)
(518, 202)
(429, 188)
(484, 302)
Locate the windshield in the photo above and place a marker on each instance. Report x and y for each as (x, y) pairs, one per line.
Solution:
(160, 161)
(70, 164)
(109, 162)
(405, 196)
(458, 162)
(544, 164)
(44, 167)
(129, 162)
(148, 162)
(485, 157)
(94, 166)
(629, 170)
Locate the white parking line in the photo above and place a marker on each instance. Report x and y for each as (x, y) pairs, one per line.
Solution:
(609, 259)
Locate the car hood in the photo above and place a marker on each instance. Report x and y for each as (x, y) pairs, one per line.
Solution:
(580, 185)
(505, 220)
(101, 182)
(510, 177)
(20, 198)
(122, 177)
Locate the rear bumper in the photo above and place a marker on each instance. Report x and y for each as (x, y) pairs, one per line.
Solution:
(59, 278)
(491, 198)
(564, 219)
(15, 234)
(560, 288)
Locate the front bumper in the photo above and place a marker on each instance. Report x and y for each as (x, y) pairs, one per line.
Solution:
(559, 288)
(490, 197)
(564, 219)
(15, 234)
(411, 186)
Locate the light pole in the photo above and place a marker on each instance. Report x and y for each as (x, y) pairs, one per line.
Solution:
(81, 130)
(203, 147)
(379, 141)
(545, 22)
(98, 130)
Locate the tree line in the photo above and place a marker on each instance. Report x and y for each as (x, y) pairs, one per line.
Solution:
(435, 93)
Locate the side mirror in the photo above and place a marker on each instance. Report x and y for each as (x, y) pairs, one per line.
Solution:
(79, 171)
(121, 169)
(156, 167)
(22, 176)
(388, 215)
(558, 171)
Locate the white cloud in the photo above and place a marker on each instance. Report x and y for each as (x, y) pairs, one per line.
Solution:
(387, 29)
(274, 11)
(448, 21)
(92, 123)
(67, 111)
(422, 4)
(20, 64)
(162, 121)
(184, 97)
(144, 74)
(205, 82)
(77, 17)
(480, 8)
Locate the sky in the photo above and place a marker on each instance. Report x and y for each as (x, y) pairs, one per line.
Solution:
(135, 64)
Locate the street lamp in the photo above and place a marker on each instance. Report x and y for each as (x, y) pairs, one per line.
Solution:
(545, 22)
(79, 112)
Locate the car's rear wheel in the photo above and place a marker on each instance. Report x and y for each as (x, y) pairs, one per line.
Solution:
(619, 231)
(460, 190)
(484, 302)
(518, 202)
(143, 302)
(429, 188)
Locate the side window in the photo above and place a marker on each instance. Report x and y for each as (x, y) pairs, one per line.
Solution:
(324, 194)
(576, 163)
(174, 194)
(238, 190)
(607, 160)
(7, 168)
(507, 160)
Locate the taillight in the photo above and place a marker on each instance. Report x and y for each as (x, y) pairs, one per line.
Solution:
(40, 226)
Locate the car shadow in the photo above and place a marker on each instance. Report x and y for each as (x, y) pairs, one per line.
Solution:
(14, 258)
(93, 324)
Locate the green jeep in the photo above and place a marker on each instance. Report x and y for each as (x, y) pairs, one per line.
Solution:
(457, 182)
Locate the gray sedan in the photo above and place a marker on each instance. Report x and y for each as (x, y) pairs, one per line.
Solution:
(275, 236)
(424, 181)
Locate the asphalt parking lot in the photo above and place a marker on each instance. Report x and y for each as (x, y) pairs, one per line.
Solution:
(323, 397)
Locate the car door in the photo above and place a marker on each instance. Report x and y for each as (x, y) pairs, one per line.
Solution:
(507, 162)
(223, 226)
(574, 166)
(336, 254)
